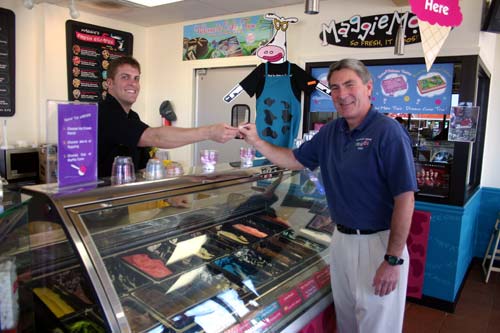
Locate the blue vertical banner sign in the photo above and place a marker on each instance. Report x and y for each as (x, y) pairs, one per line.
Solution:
(77, 142)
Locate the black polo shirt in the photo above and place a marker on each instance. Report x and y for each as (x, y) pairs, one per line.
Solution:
(118, 135)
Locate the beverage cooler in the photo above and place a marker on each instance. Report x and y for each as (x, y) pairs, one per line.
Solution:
(235, 250)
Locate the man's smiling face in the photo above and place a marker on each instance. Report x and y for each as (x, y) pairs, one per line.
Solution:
(125, 86)
(350, 95)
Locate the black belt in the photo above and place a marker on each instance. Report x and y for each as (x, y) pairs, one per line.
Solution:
(349, 231)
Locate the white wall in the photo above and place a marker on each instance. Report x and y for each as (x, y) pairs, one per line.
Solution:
(491, 159)
(41, 62)
(175, 78)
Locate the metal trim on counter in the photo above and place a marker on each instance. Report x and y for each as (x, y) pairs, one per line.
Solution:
(95, 268)
(102, 191)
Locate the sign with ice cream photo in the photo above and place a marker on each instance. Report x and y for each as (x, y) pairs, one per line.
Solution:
(407, 88)
(226, 38)
(435, 20)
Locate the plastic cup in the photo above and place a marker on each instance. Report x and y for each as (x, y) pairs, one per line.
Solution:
(208, 159)
(247, 155)
(297, 142)
(155, 169)
(122, 170)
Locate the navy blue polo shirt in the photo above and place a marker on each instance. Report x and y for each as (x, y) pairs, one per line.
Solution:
(363, 169)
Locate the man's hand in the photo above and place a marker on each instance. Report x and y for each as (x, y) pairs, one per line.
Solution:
(222, 132)
(249, 132)
(386, 279)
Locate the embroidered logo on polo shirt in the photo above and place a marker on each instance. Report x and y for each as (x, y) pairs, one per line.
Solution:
(363, 143)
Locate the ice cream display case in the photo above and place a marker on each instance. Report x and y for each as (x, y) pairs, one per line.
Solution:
(226, 251)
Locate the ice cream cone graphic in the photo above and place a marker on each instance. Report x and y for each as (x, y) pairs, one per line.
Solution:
(433, 37)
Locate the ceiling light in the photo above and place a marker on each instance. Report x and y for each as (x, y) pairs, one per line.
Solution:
(312, 7)
(28, 4)
(151, 3)
(399, 43)
(73, 12)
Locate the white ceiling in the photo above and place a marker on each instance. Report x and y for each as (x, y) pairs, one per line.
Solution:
(186, 10)
(171, 13)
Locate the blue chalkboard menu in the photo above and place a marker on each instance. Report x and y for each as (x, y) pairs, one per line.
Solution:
(7, 63)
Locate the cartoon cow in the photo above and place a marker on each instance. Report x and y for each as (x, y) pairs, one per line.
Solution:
(277, 84)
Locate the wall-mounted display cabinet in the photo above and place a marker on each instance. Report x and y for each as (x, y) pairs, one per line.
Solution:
(448, 172)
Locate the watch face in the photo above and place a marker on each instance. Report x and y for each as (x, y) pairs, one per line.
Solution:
(393, 260)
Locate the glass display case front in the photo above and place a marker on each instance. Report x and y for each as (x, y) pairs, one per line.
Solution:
(233, 251)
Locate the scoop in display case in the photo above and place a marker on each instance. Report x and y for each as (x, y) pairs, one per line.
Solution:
(218, 252)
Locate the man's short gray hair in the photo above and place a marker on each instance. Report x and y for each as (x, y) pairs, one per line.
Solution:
(352, 64)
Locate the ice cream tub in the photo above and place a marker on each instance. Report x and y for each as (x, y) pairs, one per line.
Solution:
(290, 234)
(240, 272)
(284, 244)
(148, 264)
(125, 279)
(260, 261)
(229, 235)
(157, 299)
(86, 321)
(138, 317)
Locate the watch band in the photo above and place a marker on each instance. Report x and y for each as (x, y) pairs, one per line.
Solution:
(393, 260)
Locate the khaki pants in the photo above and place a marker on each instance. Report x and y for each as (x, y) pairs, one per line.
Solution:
(354, 259)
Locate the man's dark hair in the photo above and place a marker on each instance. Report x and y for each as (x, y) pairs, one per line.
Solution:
(126, 60)
(352, 64)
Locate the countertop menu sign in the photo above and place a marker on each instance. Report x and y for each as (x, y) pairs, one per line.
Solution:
(7, 63)
(77, 142)
(89, 49)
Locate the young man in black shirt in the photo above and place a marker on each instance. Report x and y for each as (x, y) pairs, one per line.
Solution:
(122, 133)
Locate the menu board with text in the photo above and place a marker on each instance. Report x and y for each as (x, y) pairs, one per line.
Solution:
(7, 63)
(89, 50)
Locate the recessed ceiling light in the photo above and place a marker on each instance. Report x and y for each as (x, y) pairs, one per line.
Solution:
(152, 3)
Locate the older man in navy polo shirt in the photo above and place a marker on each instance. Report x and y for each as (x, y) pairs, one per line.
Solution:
(369, 176)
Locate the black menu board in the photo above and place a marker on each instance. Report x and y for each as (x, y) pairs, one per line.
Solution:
(7, 63)
(89, 49)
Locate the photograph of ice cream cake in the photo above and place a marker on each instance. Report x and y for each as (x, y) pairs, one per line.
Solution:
(394, 84)
(431, 83)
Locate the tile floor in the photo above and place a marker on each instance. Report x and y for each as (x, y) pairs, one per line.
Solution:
(478, 309)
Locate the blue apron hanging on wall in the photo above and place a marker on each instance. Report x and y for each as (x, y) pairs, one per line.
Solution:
(278, 111)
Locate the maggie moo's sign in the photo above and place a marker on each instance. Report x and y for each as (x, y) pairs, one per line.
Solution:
(370, 31)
